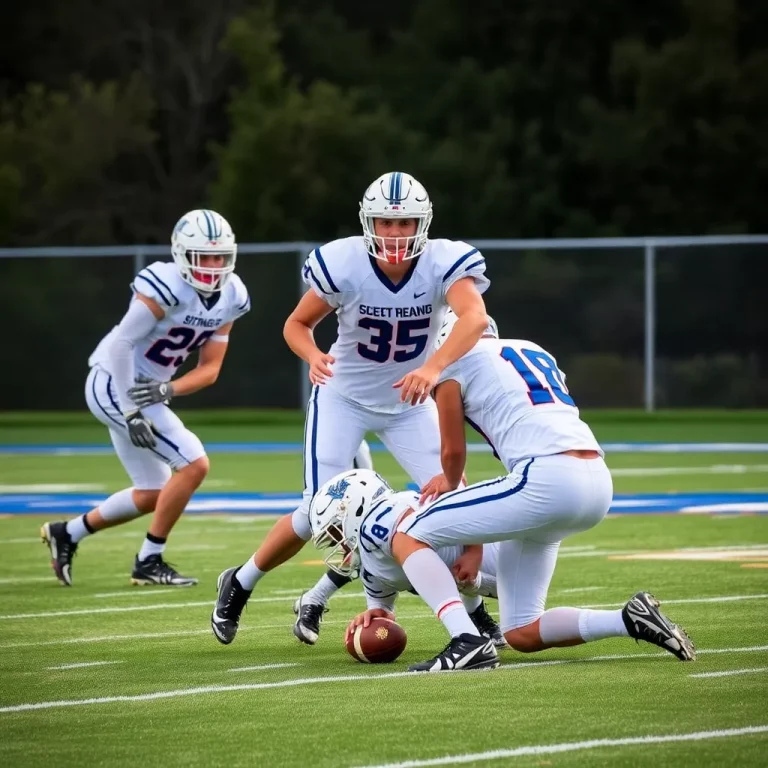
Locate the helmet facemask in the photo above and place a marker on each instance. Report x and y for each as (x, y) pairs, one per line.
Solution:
(342, 556)
(207, 280)
(406, 248)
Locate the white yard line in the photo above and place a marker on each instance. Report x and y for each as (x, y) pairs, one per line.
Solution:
(263, 666)
(577, 589)
(687, 601)
(730, 672)
(713, 469)
(155, 607)
(53, 488)
(346, 596)
(177, 693)
(575, 746)
(28, 579)
(82, 664)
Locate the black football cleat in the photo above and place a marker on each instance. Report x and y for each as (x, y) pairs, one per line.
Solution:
(62, 550)
(225, 618)
(644, 621)
(308, 618)
(463, 652)
(155, 571)
(487, 626)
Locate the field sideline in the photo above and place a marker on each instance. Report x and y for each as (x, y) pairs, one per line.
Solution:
(106, 674)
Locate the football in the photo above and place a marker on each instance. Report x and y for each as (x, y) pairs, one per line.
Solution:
(382, 641)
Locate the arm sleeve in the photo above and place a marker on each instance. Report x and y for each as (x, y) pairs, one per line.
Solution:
(385, 602)
(468, 264)
(377, 595)
(137, 324)
(317, 276)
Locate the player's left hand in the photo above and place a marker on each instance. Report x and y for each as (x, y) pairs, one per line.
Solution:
(365, 619)
(416, 386)
(467, 565)
(150, 392)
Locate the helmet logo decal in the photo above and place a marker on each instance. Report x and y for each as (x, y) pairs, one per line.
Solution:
(337, 490)
(378, 493)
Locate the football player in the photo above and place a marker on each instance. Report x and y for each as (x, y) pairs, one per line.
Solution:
(389, 289)
(177, 308)
(558, 484)
(353, 516)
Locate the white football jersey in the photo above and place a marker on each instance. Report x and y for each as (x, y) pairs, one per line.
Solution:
(190, 320)
(381, 575)
(385, 330)
(515, 397)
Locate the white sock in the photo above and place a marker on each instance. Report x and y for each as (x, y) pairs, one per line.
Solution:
(119, 506)
(596, 625)
(77, 529)
(363, 458)
(248, 574)
(471, 603)
(149, 548)
(558, 625)
(321, 593)
(430, 577)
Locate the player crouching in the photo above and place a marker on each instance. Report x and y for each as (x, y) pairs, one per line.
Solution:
(354, 515)
(177, 308)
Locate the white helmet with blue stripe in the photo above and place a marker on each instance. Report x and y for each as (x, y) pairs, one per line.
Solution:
(337, 511)
(396, 195)
(449, 320)
(198, 236)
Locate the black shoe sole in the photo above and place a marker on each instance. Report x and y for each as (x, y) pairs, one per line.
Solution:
(47, 539)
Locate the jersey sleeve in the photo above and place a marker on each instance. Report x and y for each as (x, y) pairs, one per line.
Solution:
(158, 282)
(241, 301)
(377, 595)
(319, 277)
(462, 260)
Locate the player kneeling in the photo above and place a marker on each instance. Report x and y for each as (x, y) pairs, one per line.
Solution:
(354, 516)
(558, 485)
(179, 308)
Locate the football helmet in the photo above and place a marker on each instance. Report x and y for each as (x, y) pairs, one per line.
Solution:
(449, 320)
(336, 513)
(396, 195)
(196, 235)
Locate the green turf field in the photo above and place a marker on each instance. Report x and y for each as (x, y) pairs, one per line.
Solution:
(165, 692)
(159, 689)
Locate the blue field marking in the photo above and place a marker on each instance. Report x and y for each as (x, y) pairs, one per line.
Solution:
(102, 449)
(281, 503)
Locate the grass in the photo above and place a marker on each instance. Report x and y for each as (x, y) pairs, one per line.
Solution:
(196, 711)
(282, 472)
(166, 646)
(249, 425)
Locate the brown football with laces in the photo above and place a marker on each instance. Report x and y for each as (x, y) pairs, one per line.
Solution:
(382, 641)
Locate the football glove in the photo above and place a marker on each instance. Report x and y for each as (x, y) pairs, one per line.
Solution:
(140, 430)
(150, 392)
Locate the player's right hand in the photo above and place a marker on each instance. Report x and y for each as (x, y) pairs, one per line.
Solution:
(365, 619)
(319, 370)
(435, 488)
(140, 430)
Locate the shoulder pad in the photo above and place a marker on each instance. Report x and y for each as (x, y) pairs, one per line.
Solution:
(239, 297)
(331, 267)
(160, 281)
(455, 259)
